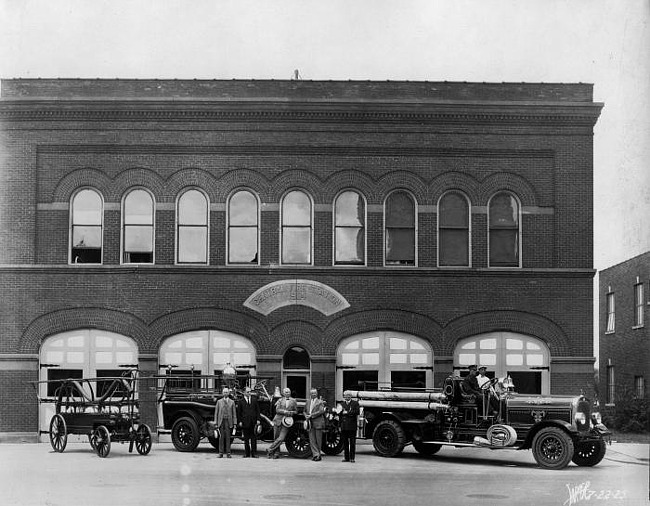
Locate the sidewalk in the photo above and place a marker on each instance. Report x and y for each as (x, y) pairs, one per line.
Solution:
(629, 452)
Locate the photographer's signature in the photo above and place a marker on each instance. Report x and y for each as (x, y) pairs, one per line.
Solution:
(582, 492)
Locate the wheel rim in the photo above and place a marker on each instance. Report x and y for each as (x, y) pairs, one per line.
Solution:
(298, 445)
(143, 440)
(185, 434)
(58, 433)
(552, 448)
(102, 441)
(587, 450)
(386, 439)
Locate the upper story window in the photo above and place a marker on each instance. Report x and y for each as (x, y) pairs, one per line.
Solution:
(453, 230)
(349, 225)
(86, 227)
(611, 313)
(243, 228)
(192, 228)
(138, 227)
(400, 229)
(638, 305)
(296, 228)
(504, 233)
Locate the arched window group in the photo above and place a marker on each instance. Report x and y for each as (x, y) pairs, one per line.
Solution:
(400, 233)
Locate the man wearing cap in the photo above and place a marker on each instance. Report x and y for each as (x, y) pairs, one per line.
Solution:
(285, 408)
(248, 414)
(470, 389)
(225, 418)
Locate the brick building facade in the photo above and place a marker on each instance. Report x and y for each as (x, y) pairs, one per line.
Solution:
(322, 234)
(624, 354)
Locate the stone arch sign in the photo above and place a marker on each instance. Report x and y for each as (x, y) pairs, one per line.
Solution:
(302, 292)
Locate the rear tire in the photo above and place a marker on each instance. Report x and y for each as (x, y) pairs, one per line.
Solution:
(589, 453)
(101, 441)
(185, 434)
(388, 438)
(552, 448)
(143, 439)
(426, 448)
(332, 442)
(58, 433)
(297, 443)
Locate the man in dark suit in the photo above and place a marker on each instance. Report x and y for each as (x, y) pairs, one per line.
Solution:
(314, 414)
(225, 418)
(248, 414)
(348, 416)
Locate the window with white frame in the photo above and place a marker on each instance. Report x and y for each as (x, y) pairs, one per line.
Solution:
(400, 229)
(349, 225)
(86, 234)
(297, 228)
(611, 313)
(638, 305)
(453, 230)
(192, 231)
(243, 228)
(639, 387)
(504, 231)
(138, 227)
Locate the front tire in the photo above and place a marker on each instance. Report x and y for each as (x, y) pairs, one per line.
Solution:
(388, 438)
(297, 443)
(589, 453)
(426, 448)
(552, 448)
(332, 442)
(101, 441)
(143, 439)
(185, 434)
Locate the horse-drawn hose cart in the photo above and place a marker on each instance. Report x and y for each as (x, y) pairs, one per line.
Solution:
(105, 409)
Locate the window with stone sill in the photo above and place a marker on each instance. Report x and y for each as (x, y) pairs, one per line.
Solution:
(86, 227)
(243, 228)
(453, 230)
(400, 229)
(349, 229)
(296, 219)
(138, 227)
(192, 228)
(504, 231)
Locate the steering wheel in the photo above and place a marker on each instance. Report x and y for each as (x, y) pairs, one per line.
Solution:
(489, 384)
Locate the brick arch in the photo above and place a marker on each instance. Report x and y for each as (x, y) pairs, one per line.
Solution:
(451, 181)
(507, 321)
(190, 177)
(145, 178)
(506, 181)
(65, 320)
(350, 180)
(86, 177)
(239, 179)
(296, 179)
(295, 333)
(207, 318)
(401, 180)
(369, 321)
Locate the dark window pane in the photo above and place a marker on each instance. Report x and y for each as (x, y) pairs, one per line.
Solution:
(408, 379)
(454, 211)
(296, 358)
(454, 247)
(114, 388)
(504, 248)
(400, 210)
(360, 380)
(504, 211)
(60, 374)
(400, 246)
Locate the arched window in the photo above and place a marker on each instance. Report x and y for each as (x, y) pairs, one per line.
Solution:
(504, 233)
(400, 229)
(383, 360)
(192, 232)
(296, 228)
(453, 230)
(243, 231)
(350, 232)
(138, 227)
(525, 359)
(87, 219)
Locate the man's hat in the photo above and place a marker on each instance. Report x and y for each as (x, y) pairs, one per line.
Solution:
(482, 367)
(473, 366)
(287, 421)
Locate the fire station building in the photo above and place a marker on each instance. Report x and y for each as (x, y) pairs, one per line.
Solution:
(326, 234)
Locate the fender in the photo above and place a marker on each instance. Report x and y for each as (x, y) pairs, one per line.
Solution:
(567, 427)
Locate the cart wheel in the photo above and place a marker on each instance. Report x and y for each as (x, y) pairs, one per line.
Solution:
(102, 441)
(92, 441)
(143, 439)
(58, 433)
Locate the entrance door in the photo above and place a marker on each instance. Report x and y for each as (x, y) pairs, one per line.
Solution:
(298, 384)
(296, 372)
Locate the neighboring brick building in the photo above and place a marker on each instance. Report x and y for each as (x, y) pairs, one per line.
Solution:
(624, 353)
(322, 233)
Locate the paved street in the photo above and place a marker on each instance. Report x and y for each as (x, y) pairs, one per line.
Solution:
(33, 475)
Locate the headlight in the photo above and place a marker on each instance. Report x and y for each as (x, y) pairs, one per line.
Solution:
(580, 418)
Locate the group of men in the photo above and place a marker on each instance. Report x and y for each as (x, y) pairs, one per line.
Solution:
(476, 386)
(246, 415)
